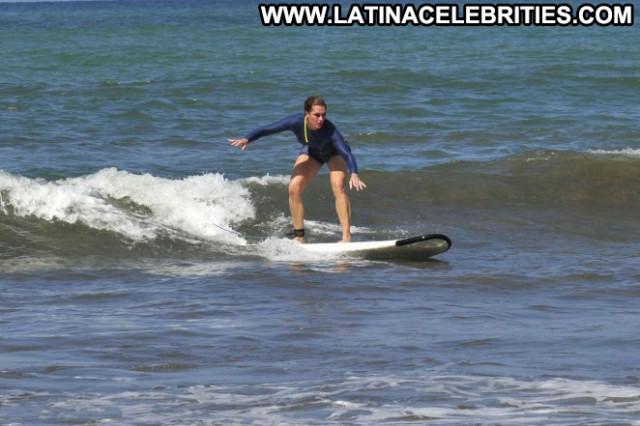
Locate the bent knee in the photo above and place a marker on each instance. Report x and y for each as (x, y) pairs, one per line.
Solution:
(338, 188)
(296, 187)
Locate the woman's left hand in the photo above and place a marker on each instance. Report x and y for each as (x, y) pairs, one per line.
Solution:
(356, 183)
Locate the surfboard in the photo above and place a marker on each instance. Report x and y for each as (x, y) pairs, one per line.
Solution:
(421, 247)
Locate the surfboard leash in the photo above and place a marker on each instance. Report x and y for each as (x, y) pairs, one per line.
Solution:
(240, 234)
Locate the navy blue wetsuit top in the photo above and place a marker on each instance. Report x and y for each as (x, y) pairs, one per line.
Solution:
(323, 143)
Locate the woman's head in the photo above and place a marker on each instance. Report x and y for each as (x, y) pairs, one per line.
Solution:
(313, 101)
(315, 112)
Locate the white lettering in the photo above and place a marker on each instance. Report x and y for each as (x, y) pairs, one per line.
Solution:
(427, 14)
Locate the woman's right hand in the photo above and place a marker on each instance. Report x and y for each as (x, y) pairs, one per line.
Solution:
(239, 142)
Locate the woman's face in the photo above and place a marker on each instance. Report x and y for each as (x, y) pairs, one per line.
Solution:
(316, 117)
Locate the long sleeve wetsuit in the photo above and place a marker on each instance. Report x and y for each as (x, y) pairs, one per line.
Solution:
(319, 144)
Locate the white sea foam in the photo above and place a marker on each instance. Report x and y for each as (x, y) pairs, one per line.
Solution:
(267, 180)
(362, 401)
(627, 152)
(141, 207)
(137, 206)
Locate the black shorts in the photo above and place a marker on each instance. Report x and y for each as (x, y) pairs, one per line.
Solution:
(320, 156)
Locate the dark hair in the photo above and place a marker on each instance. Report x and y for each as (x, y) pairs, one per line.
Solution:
(314, 100)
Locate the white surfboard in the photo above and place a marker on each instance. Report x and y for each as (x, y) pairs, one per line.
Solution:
(415, 248)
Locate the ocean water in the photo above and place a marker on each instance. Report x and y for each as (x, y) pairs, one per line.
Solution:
(133, 292)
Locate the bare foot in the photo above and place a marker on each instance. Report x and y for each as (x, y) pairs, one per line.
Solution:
(300, 240)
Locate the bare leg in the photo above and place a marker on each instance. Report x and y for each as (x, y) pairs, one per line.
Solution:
(304, 171)
(338, 175)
